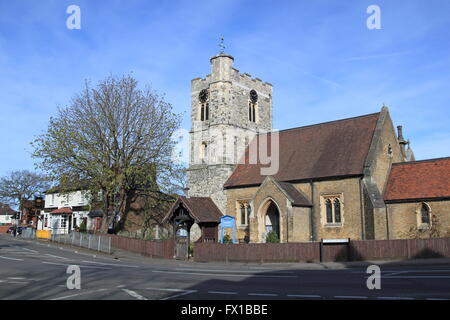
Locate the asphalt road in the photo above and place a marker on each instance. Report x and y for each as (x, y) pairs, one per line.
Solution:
(36, 270)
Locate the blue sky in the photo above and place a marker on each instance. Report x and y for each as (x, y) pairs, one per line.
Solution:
(322, 60)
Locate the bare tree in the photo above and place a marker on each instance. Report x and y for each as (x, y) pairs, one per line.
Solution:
(22, 185)
(114, 137)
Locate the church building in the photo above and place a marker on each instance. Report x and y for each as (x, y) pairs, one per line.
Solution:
(351, 178)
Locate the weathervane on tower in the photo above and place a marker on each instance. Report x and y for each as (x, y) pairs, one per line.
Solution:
(222, 45)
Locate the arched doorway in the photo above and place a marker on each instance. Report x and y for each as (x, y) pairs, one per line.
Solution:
(272, 219)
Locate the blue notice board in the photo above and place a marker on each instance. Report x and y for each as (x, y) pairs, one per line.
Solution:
(227, 222)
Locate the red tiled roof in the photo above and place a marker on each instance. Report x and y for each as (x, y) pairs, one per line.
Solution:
(62, 211)
(202, 209)
(425, 179)
(331, 149)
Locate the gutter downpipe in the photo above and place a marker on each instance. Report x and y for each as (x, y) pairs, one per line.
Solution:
(312, 236)
(361, 201)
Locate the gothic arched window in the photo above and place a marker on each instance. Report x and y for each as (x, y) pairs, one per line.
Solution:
(337, 211)
(243, 215)
(204, 111)
(425, 214)
(329, 210)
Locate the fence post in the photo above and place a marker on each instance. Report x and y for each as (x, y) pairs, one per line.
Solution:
(99, 239)
(89, 241)
(81, 238)
(109, 245)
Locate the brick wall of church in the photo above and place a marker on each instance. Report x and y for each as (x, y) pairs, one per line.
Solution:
(404, 216)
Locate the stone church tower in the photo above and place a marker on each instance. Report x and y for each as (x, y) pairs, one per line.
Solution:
(228, 109)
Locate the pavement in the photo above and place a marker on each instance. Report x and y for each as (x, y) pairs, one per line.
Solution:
(31, 270)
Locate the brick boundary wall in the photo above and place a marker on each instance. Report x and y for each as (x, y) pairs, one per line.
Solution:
(357, 250)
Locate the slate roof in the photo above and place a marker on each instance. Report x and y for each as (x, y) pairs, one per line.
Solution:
(426, 179)
(202, 209)
(297, 197)
(332, 149)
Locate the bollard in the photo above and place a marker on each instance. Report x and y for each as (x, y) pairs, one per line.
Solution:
(99, 238)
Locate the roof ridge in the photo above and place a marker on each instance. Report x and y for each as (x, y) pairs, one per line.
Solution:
(420, 161)
(329, 122)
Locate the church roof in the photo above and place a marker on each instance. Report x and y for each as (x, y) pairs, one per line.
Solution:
(298, 198)
(419, 180)
(202, 209)
(332, 149)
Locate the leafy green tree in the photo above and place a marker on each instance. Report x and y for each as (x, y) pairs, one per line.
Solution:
(115, 138)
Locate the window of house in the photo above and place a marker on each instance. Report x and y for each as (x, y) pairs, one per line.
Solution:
(332, 210)
(244, 213)
(63, 222)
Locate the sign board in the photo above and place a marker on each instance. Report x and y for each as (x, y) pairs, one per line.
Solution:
(335, 240)
(227, 222)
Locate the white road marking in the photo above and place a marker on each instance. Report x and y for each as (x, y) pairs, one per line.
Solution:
(11, 258)
(303, 295)
(222, 274)
(235, 271)
(180, 294)
(350, 297)
(111, 264)
(16, 278)
(222, 292)
(34, 251)
(51, 255)
(134, 294)
(81, 266)
(263, 294)
(78, 294)
(395, 298)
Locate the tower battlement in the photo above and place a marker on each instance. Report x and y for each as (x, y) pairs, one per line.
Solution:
(228, 110)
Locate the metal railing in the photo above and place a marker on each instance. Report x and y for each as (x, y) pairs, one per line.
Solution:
(85, 240)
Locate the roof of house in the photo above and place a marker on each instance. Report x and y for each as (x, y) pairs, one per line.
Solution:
(5, 210)
(426, 179)
(202, 209)
(332, 149)
(62, 211)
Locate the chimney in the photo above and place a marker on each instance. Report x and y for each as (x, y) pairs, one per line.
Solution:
(401, 141)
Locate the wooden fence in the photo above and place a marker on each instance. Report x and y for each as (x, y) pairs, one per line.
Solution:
(310, 252)
(152, 248)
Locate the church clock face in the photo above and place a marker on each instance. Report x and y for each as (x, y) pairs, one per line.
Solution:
(253, 96)
(203, 96)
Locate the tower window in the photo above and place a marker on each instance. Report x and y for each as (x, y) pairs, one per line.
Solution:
(203, 151)
(252, 111)
(204, 111)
